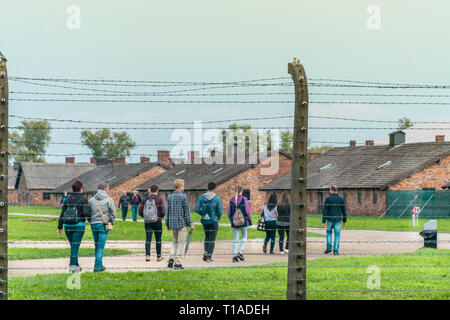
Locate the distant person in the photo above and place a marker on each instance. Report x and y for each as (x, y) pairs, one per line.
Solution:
(209, 206)
(153, 210)
(135, 200)
(334, 213)
(178, 218)
(284, 219)
(103, 213)
(123, 204)
(73, 217)
(269, 211)
(239, 212)
(64, 198)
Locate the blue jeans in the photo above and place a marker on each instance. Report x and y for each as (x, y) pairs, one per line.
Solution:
(243, 231)
(124, 212)
(271, 231)
(74, 235)
(134, 210)
(336, 226)
(100, 236)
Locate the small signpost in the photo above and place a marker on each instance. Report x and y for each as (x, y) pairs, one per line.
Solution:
(415, 216)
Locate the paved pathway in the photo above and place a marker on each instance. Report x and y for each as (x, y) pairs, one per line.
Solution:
(353, 243)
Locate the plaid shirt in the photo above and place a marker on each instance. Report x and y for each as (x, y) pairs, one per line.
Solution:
(178, 214)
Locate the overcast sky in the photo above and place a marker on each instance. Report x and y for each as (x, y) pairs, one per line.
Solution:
(206, 40)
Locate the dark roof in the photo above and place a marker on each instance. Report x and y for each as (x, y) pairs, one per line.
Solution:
(197, 176)
(50, 175)
(359, 167)
(111, 174)
(12, 177)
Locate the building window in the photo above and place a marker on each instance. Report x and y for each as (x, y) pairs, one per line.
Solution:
(359, 196)
(246, 193)
(375, 196)
(345, 195)
(311, 197)
(45, 196)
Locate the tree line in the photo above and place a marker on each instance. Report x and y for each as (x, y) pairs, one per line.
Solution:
(30, 142)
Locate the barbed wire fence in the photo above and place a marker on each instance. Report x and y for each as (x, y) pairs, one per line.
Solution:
(268, 280)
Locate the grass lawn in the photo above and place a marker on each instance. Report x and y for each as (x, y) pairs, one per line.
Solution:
(384, 224)
(313, 220)
(37, 253)
(41, 229)
(35, 210)
(347, 280)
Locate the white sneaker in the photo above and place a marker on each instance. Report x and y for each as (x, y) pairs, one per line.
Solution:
(286, 250)
(74, 269)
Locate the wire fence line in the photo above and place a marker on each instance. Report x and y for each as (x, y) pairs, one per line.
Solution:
(230, 279)
(219, 121)
(227, 128)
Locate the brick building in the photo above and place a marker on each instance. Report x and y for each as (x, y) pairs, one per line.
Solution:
(199, 173)
(12, 192)
(120, 177)
(378, 180)
(35, 181)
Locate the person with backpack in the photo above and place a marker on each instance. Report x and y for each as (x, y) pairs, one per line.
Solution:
(153, 210)
(123, 204)
(178, 218)
(135, 201)
(284, 219)
(73, 217)
(240, 218)
(102, 220)
(209, 206)
(270, 214)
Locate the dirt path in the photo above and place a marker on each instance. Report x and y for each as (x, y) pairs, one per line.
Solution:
(353, 243)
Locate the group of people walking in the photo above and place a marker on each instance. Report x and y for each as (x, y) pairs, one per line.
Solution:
(130, 200)
(100, 212)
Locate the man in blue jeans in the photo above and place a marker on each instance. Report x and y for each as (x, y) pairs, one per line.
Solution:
(334, 213)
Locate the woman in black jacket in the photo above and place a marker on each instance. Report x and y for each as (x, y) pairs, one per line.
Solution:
(73, 217)
(284, 216)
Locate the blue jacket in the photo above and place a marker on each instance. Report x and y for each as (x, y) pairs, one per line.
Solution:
(334, 209)
(209, 206)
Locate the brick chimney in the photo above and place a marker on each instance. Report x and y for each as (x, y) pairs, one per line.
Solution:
(145, 160)
(352, 143)
(70, 159)
(193, 155)
(369, 142)
(93, 160)
(440, 138)
(164, 157)
(313, 155)
(120, 160)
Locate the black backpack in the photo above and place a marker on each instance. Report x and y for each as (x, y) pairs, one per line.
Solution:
(70, 215)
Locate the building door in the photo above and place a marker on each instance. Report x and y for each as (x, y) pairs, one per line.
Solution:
(320, 202)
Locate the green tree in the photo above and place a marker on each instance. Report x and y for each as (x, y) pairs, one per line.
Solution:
(30, 144)
(287, 137)
(242, 134)
(404, 123)
(107, 144)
